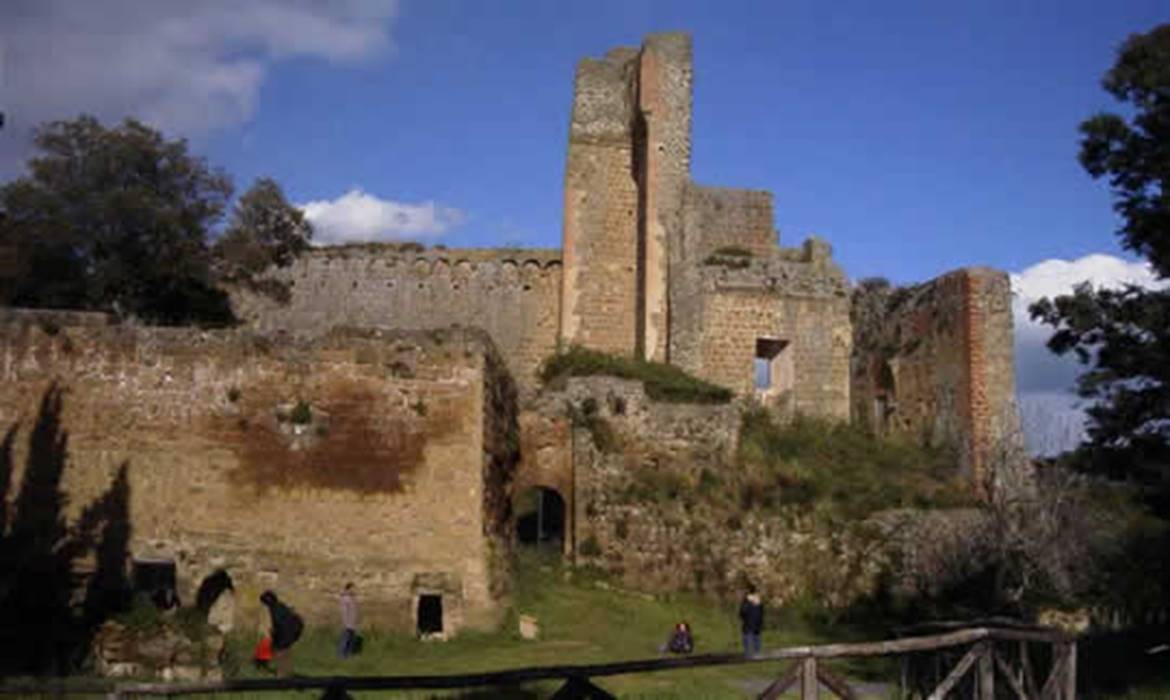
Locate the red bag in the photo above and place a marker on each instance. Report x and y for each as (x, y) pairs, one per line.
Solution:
(263, 650)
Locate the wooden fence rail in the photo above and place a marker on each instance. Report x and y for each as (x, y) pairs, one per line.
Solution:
(983, 655)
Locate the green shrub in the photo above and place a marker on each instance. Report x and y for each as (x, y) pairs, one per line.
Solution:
(662, 382)
(709, 480)
(192, 622)
(301, 414)
(657, 486)
(143, 616)
(589, 547)
(730, 256)
(840, 468)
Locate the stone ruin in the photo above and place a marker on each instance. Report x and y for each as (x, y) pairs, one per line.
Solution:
(335, 438)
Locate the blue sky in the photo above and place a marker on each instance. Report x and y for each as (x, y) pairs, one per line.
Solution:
(916, 137)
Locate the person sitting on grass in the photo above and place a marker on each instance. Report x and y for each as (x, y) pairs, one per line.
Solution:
(681, 641)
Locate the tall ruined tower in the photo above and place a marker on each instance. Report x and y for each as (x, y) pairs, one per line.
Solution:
(628, 167)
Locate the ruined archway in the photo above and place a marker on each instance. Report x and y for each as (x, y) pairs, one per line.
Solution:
(540, 518)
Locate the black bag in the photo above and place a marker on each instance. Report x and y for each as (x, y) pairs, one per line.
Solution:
(355, 644)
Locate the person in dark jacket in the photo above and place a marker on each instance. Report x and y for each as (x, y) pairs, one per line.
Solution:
(286, 628)
(751, 617)
(681, 640)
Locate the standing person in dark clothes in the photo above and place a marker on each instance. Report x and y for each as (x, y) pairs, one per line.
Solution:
(287, 626)
(751, 617)
(346, 646)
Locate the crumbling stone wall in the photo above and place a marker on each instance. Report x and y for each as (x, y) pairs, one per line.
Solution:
(663, 142)
(732, 218)
(643, 511)
(639, 239)
(796, 297)
(511, 294)
(394, 477)
(935, 362)
(601, 208)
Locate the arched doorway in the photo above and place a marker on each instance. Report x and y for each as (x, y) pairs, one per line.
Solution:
(540, 518)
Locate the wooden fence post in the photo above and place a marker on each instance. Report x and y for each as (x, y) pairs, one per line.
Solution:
(987, 671)
(808, 678)
(1070, 672)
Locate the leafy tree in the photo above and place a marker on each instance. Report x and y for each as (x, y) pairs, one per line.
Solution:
(115, 219)
(1123, 336)
(265, 231)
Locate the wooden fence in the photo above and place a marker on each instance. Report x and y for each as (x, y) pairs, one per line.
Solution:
(991, 653)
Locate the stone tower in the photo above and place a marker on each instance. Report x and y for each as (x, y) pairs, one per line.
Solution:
(628, 166)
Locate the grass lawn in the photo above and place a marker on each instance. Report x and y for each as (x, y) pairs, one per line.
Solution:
(582, 620)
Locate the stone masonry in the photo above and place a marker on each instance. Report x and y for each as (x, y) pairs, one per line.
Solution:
(396, 478)
(938, 366)
(410, 443)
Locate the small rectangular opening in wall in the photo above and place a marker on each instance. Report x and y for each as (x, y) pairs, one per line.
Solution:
(772, 365)
(156, 578)
(430, 614)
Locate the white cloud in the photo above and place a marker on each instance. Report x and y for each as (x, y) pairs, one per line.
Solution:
(187, 67)
(358, 216)
(1052, 414)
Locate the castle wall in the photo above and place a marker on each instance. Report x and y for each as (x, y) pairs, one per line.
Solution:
(939, 368)
(601, 209)
(511, 294)
(797, 299)
(713, 218)
(664, 103)
(397, 481)
(732, 218)
(817, 330)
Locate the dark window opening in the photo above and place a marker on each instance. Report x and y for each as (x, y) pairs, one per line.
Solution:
(540, 517)
(430, 614)
(772, 366)
(156, 579)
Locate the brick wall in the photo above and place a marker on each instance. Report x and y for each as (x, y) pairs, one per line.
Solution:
(816, 329)
(947, 345)
(392, 484)
(600, 238)
(664, 101)
(732, 218)
(511, 294)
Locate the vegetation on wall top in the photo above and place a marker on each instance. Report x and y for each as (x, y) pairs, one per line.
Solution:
(662, 382)
(733, 257)
(822, 464)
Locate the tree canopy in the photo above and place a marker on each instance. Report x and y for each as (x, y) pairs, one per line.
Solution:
(121, 219)
(265, 231)
(1123, 335)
